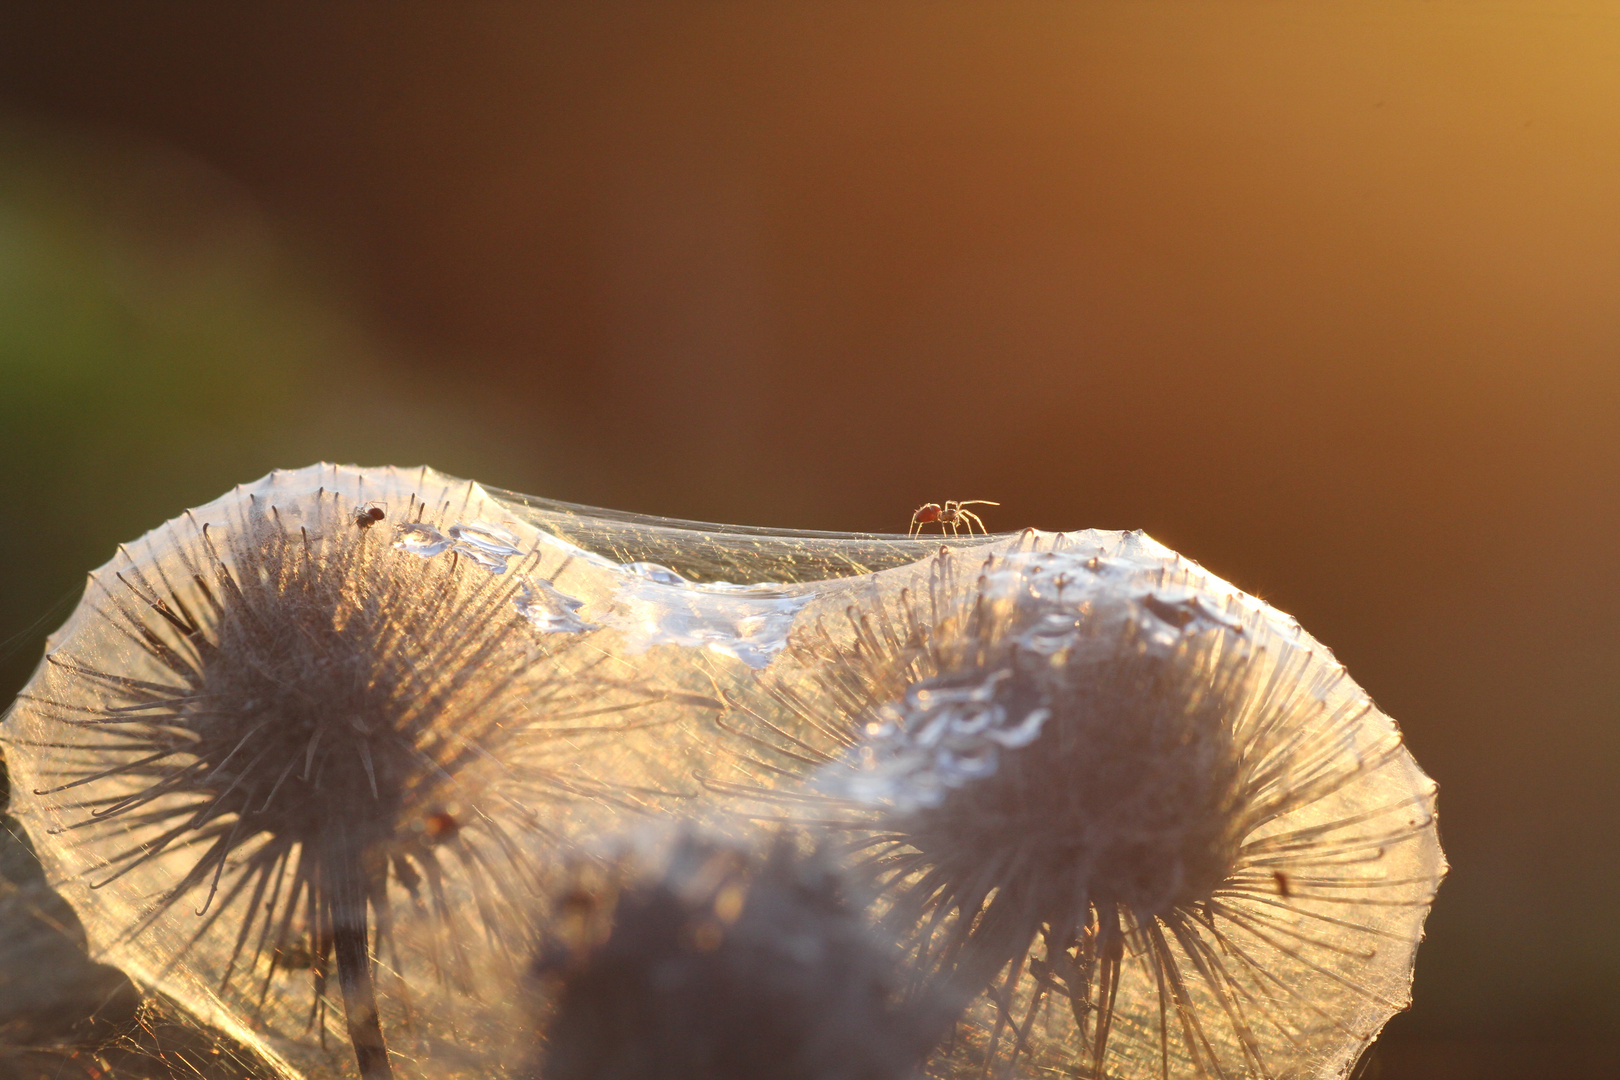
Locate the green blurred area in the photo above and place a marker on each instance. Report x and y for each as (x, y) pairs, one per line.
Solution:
(158, 347)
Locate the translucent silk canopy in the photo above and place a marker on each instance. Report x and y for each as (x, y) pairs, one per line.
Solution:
(318, 759)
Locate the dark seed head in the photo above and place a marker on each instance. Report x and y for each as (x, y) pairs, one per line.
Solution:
(1075, 771)
(271, 750)
(724, 965)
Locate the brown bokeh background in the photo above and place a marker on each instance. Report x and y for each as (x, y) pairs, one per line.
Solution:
(1324, 295)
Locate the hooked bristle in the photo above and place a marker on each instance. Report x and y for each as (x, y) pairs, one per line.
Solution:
(724, 964)
(1151, 819)
(281, 744)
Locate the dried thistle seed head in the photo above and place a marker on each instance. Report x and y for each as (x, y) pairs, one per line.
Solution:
(712, 962)
(281, 755)
(1148, 815)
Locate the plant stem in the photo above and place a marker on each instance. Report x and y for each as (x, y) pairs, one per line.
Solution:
(352, 949)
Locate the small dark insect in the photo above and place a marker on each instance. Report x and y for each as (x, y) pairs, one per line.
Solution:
(294, 956)
(950, 514)
(1284, 889)
(369, 514)
(439, 827)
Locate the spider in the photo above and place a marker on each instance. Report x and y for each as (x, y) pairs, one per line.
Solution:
(950, 514)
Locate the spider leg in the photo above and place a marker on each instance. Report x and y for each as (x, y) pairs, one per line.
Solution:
(973, 519)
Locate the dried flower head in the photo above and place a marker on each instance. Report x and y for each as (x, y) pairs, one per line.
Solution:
(712, 962)
(1146, 815)
(317, 730)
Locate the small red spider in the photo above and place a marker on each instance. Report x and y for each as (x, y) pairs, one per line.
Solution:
(950, 514)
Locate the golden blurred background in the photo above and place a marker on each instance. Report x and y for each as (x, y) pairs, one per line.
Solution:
(1324, 295)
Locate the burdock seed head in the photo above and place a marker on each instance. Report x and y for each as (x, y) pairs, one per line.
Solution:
(708, 960)
(1147, 815)
(315, 732)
